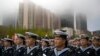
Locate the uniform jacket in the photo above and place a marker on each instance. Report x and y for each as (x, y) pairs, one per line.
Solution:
(97, 50)
(45, 50)
(85, 52)
(8, 52)
(35, 51)
(19, 51)
(64, 52)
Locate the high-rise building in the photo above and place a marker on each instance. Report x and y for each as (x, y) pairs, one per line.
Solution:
(81, 22)
(33, 16)
(67, 21)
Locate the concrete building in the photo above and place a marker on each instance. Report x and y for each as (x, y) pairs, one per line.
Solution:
(81, 23)
(33, 16)
(67, 22)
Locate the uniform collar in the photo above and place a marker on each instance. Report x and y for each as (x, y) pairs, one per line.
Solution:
(6, 48)
(19, 46)
(43, 48)
(30, 49)
(84, 49)
(96, 48)
(57, 53)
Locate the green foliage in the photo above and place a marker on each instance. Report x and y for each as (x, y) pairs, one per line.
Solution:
(10, 31)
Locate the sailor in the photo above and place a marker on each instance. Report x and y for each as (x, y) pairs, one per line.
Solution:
(8, 50)
(61, 45)
(96, 45)
(85, 49)
(32, 49)
(19, 47)
(45, 46)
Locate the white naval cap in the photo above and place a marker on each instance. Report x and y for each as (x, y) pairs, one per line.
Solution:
(96, 38)
(32, 35)
(59, 32)
(7, 39)
(45, 40)
(20, 35)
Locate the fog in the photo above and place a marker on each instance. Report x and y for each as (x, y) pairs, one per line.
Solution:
(89, 7)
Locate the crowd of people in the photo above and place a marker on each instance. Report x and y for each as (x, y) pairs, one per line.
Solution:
(29, 45)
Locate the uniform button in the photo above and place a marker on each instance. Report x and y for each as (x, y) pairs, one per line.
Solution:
(19, 51)
(79, 52)
(31, 54)
(88, 52)
(44, 55)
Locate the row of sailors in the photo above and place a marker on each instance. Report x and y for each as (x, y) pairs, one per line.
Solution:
(61, 46)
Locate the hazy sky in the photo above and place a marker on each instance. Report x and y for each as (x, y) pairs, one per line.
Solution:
(89, 7)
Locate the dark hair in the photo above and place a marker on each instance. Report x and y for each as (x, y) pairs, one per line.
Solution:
(23, 39)
(64, 37)
(23, 42)
(47, 43)
(66, 43)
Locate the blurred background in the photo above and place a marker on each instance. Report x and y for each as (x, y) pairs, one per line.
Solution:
(44, 16)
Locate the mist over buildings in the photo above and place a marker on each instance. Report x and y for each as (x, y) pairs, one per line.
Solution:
(90, 8)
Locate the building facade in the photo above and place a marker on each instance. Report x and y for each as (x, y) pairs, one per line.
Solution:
(33, 16)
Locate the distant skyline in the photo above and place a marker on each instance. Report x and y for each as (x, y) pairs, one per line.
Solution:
(89, 7)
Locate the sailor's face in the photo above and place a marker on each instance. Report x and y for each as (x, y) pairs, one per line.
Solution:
(58, 41)
(44, 43)
(84, 42)
(29, 41)
(77, 43)
(17, 40)
(6, 44)
(52, 43)
(95, 42)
